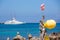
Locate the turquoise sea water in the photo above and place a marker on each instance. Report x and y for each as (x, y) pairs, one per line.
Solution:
(24, 29)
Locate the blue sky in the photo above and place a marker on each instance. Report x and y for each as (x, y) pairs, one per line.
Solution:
(29, 10)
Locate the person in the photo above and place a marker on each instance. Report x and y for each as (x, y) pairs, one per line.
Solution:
(8, 38)
(42, 28)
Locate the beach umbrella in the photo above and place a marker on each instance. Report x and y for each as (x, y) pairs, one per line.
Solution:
(42, 6)
(50, 24)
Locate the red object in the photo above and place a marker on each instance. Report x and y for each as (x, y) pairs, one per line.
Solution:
(42, 7)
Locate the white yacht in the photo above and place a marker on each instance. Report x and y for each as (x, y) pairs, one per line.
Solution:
(13, 21)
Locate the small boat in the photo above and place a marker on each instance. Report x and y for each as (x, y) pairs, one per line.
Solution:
(13, 21)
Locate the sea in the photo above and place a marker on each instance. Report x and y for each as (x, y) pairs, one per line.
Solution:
(10, 31)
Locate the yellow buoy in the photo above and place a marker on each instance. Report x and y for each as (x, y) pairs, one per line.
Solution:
(50, 24)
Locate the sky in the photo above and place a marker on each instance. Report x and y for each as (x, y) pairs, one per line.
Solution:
(29, 10)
